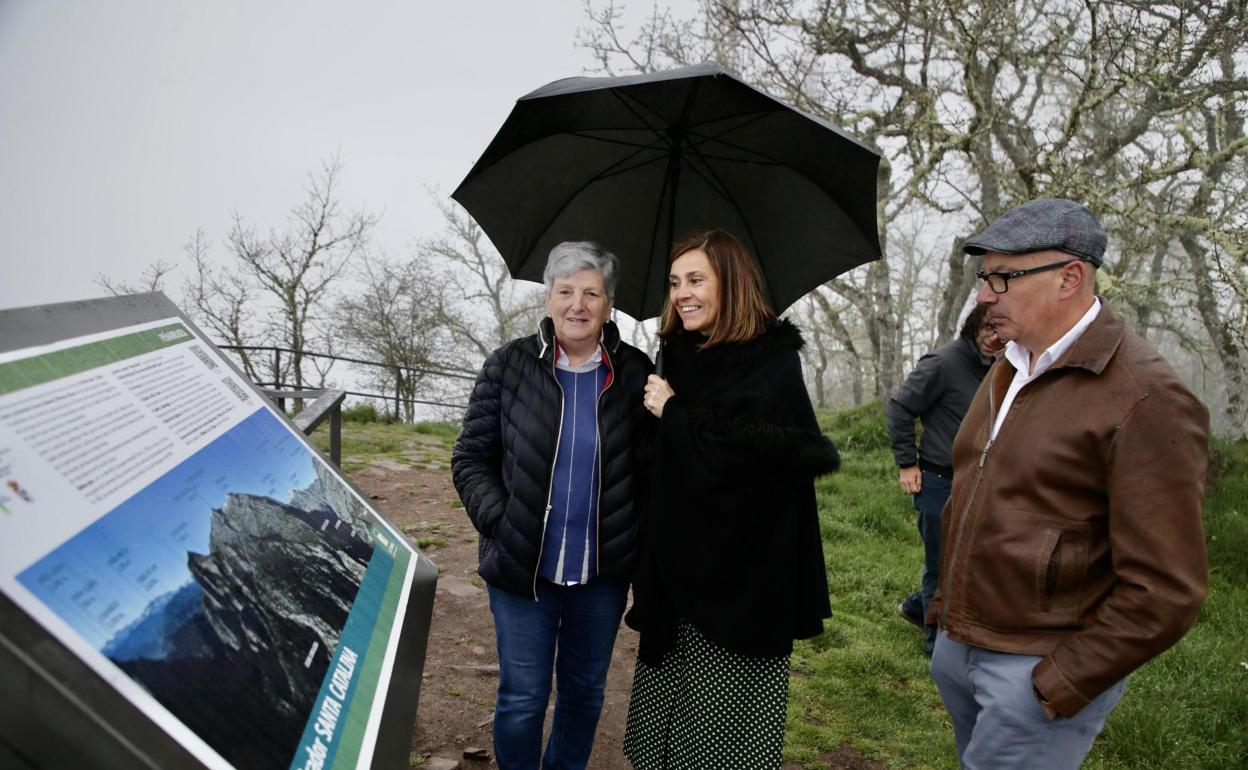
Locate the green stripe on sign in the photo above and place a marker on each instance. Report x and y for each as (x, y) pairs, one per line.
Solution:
(322, 737)
(36, 370)
(361, 705)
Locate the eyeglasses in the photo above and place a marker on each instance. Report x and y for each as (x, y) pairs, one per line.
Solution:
(1000, 282)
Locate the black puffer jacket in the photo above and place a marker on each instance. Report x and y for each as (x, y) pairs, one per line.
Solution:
(503, 458)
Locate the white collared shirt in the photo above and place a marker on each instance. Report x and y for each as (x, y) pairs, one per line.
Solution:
(563, 362)
(1020, 358)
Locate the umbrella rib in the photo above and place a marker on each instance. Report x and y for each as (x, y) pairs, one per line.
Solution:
(708, 175)
(628, 104)
(665, 142)
(608, 140)
(718, 137)
(755, 161)
(712, 179)
(614, 169)
(753, 118)
(617, 168)
(765, 159)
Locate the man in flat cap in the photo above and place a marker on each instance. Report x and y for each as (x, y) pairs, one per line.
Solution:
(1072, 548)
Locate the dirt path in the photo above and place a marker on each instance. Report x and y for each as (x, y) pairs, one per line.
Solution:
(460, 676)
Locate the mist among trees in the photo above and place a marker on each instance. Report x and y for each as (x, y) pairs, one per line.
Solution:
(1135, 108)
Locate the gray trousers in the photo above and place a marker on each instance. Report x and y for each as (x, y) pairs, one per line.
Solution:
(997, 721)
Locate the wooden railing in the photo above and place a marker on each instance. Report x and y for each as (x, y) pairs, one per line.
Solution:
(327, 404)
(400, 375)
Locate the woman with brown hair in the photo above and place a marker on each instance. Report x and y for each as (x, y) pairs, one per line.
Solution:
(732, 566)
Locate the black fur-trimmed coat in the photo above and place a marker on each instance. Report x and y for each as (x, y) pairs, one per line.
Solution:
(503, 458)
(731, 537)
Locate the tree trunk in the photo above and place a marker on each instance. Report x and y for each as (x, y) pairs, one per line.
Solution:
(1152, 296)
(841, 332)
(1227, 349)
(960, 285)
(884, 331)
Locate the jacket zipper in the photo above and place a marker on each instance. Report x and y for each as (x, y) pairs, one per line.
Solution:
(598, 448)
(550, 484)
(957, 541)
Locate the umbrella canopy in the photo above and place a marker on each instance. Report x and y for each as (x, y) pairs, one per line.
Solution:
(634, 162)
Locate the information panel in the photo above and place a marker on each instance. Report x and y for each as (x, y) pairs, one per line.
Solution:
(160, 520)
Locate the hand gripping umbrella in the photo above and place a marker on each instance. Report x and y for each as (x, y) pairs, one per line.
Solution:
(635, 162)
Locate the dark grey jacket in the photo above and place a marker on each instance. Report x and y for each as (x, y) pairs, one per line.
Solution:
(937, 392)
(503, 458)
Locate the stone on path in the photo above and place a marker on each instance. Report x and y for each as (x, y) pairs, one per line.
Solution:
(458, 587)
(487, 669)
(386, 464)
(439, 763)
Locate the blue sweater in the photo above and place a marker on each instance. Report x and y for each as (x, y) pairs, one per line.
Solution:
(569, 547)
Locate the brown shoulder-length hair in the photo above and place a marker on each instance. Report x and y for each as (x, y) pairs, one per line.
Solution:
(743, 309)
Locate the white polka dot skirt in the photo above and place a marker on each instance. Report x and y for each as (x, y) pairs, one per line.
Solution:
(707, 708)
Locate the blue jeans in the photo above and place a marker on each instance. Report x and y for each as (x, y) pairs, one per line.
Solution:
(998, 724)
(568, 632)
(929, 502)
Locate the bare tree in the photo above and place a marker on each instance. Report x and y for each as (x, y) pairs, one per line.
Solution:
(1132, 107)
(394, 319)
(152, 279)
(273, 286)
(296, 268)
(482, 307)
(223, 301)
(817, 353)
(827, 327)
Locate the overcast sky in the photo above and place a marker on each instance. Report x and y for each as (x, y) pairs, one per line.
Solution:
(126, 125)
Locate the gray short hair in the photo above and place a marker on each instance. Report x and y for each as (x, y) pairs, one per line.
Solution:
(570, 256)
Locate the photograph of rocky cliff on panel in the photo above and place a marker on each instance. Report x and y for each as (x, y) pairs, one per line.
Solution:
(223, 588)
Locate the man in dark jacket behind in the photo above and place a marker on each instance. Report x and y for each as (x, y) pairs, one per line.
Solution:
(936, 392)
(1072, 543)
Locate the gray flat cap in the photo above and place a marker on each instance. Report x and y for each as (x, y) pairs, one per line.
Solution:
(1042, 224)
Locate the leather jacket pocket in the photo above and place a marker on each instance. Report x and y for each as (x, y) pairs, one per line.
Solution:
(1029, 571)
(1049, 569)
(1065, 574)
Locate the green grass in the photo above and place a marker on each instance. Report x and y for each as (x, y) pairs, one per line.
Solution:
(1189, 707)
(362, 412)
(422, 443)
(864, 682)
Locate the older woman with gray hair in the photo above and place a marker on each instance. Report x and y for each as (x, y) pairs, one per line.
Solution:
(545, 465)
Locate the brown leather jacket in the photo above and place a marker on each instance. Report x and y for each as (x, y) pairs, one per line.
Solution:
(1076, 534)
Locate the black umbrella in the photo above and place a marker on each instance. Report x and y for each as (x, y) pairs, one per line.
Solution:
(633, 162)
